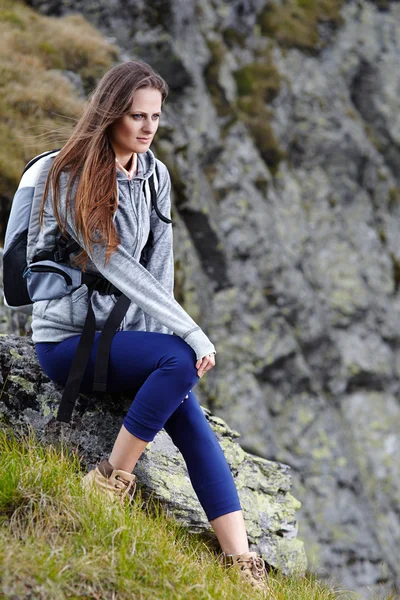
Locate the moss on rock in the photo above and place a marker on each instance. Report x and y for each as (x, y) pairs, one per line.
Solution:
(394, 198)
(294, 23)
(257, 84)
(211, 74)
(258, 79)
(234, 37)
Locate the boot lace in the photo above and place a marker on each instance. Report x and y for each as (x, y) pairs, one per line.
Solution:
(128, 487)
(255, 565)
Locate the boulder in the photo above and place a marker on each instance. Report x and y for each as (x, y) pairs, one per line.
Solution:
(29, 399)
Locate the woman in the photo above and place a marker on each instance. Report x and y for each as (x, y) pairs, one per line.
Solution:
(94, 192)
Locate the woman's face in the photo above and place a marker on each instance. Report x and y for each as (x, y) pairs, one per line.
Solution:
(134, 131)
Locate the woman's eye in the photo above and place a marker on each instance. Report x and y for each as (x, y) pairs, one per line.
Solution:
(154, 116)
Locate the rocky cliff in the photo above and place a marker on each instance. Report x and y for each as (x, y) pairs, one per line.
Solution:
(282, 136)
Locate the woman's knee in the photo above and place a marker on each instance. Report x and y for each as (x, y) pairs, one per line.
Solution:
(181, 359)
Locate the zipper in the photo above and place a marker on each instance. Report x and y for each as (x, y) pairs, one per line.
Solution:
(115, 214)
(140, 210)
(137, 211)
(48, 269)
(132, 196)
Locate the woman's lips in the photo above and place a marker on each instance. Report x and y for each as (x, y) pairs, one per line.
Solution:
(143, 139)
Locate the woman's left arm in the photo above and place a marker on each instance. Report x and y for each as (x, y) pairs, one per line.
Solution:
(160, 258)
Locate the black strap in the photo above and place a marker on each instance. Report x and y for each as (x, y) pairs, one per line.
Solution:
(78, 367)
(65, 247)
(103, 351)
(83, 351)
(61, 251)
(100, 284)
(154, 197)
(36, 158)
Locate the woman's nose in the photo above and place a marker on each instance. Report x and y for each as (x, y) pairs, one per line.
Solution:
(149, 127)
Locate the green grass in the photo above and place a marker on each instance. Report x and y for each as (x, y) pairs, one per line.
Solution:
(57, 541)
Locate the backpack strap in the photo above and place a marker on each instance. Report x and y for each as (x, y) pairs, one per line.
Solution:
(106, 337)
(78, 367)
(154, 196)
(60, 253)
(38, 157)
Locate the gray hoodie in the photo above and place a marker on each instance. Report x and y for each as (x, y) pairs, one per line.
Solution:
(150, 288)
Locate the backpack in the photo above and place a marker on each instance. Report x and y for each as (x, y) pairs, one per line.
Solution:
(30, 276)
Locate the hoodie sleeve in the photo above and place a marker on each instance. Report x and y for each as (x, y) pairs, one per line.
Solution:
(141, 286)
(160, 259)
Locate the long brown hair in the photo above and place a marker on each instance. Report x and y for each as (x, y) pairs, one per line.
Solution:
(89, 158)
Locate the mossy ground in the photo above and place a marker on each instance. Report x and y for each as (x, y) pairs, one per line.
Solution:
(38, 104)
(57, 541)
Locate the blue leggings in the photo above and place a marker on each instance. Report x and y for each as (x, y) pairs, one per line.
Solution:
(159, 370)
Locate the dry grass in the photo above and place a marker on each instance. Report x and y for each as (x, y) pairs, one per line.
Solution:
(38, 103)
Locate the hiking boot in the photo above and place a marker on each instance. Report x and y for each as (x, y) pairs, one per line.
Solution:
(116, 484)
(251, 568)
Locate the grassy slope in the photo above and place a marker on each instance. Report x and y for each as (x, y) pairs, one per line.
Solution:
(35, 97)
(58, 542)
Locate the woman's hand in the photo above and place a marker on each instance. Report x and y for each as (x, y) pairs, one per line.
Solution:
(205, 364)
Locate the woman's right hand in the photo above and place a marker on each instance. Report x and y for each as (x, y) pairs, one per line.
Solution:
(205, 364)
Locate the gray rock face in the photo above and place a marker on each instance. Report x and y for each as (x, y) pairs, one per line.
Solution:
(29, 398)
(292, 269)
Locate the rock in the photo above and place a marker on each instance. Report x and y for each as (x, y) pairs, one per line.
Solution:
(30, 399)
